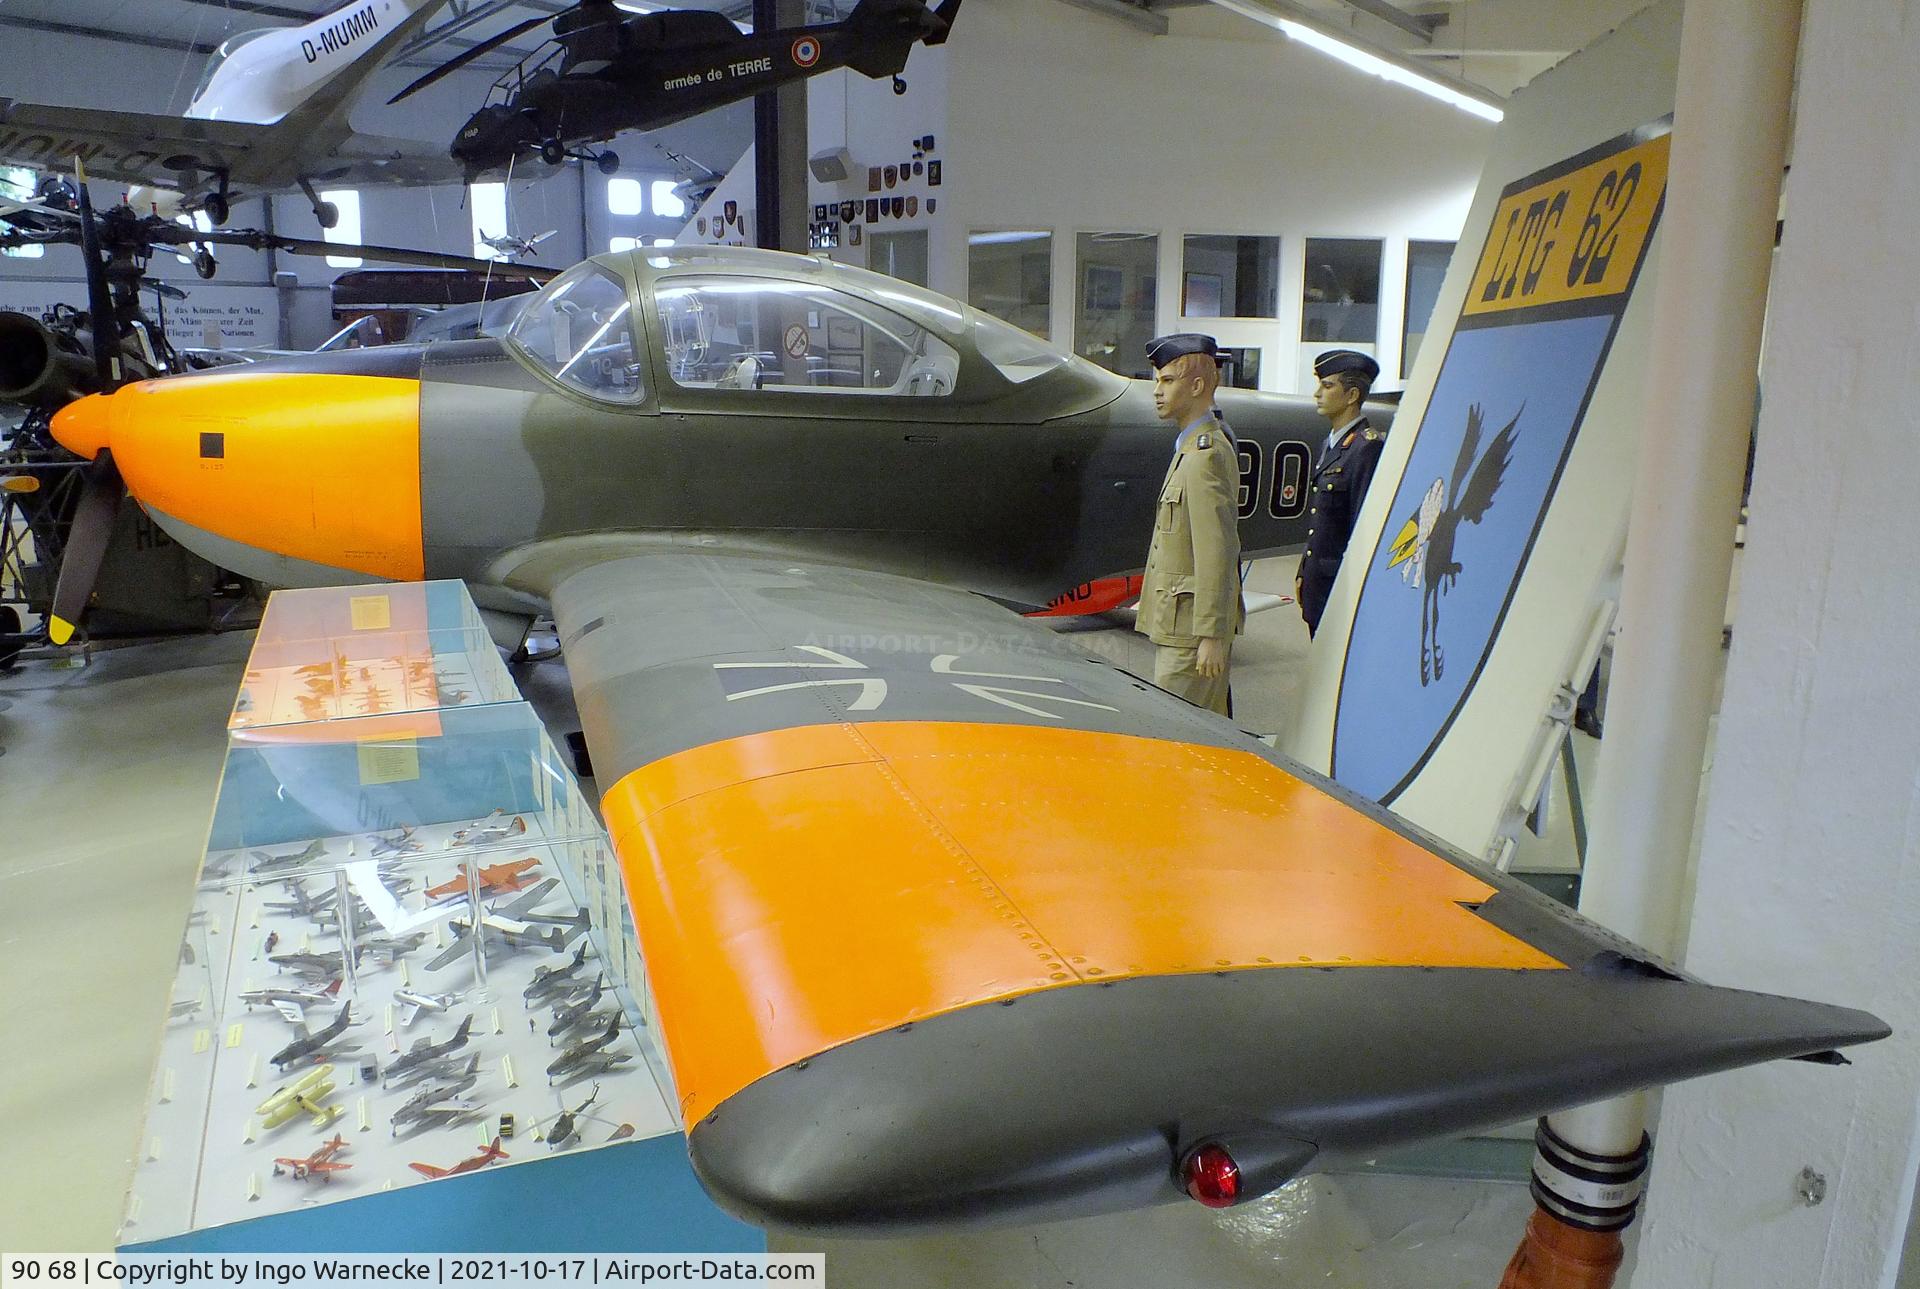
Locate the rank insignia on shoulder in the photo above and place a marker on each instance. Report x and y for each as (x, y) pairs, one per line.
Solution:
(1204, 442)
(1372, 436)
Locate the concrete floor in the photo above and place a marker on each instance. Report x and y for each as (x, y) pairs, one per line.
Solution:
(106, 783)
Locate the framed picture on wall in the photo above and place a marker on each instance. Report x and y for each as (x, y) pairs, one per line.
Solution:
(1106, 287)
(1200, 295)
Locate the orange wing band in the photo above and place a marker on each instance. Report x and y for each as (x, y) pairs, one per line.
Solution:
(801, 888)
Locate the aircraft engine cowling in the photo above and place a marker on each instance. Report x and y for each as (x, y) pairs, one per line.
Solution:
(39, 367)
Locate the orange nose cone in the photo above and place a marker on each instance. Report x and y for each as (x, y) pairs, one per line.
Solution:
(82, 426)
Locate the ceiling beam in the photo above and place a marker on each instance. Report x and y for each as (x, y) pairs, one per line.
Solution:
(95, 33)
(1134, 15)
(1420, 29)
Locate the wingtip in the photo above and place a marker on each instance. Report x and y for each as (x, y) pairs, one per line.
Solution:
(59, 630)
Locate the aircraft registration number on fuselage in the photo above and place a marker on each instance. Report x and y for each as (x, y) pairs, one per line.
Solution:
(1574, 237)
(1284, 494)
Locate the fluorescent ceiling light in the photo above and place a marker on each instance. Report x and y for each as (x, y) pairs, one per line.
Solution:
(995, 239)
(1374, 65)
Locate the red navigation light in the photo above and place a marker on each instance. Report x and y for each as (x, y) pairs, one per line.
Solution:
(1212, 1177)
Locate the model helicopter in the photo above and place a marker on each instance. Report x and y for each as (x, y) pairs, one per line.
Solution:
(610, 70)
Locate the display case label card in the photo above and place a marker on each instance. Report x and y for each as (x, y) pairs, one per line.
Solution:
(371, 612)
(388, 761)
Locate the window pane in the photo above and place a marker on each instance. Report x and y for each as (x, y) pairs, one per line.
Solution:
(1342, 291)
(1114, 297)
(1426, 268)
(346, 228)
(795, 337)
(1010, 275)
(1230, 277)
(901, 255)
(666, 202)
(488, 202)
(624, 196)
(581, 330)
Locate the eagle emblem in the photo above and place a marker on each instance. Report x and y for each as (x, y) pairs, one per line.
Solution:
(1423, 548)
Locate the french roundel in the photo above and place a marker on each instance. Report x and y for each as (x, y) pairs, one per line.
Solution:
(806, 51)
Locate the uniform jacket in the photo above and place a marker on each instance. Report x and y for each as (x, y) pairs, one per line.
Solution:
(1338, 487)
(1191, 588)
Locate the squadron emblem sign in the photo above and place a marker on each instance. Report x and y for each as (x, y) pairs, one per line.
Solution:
(1554, 278)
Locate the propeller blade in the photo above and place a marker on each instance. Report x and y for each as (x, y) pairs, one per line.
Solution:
(93, 521)
(468, 55)
(106, 333)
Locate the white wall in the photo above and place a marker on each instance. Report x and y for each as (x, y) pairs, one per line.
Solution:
(1809, 873)
(1061, 119)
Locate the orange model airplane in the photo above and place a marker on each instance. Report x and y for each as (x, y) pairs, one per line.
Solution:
(321, 1163)
(495, 879)
(488, 1154)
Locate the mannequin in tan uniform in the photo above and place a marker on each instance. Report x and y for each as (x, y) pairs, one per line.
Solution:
(1190, 594)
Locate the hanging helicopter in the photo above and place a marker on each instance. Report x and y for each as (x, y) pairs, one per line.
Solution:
(610, 70)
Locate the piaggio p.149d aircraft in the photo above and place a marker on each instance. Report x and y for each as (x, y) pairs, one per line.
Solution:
(611, 70)
(889, 843)
(270, 115)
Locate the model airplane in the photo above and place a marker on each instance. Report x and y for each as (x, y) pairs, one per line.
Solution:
(494, 879)
(807, 700)
(304, 1095)
(439, 1103)
(310, 1046)
(391, 948)
(625, 71)
(266, 862)
(511, 247)
(504, 926)
(291, 1003)
(400, 842)
(577, 1057)
(571, 1015)
(314, 966)
(482, 834)
(549, 982)
(488, 1154)
(416, 1002)
(406, 1068)
(270, 115)
(321, 1163)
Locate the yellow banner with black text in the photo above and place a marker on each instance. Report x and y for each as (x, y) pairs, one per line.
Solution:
(1575, 237)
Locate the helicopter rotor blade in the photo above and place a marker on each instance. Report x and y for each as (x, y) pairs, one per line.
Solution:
(466, 56)
(258, 241)
(106, 333)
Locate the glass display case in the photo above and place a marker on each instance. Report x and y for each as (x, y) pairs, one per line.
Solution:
(410, 954)
(336, 652)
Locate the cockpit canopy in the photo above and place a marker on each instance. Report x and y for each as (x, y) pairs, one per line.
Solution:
(731, 319)
(224, 52)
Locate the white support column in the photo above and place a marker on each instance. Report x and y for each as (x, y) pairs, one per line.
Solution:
(1809, 874)
(1729, 142)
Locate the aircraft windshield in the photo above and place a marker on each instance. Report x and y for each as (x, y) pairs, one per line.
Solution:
(580, 329)
(221, 55)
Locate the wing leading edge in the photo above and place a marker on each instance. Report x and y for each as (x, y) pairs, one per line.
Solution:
(948, 924)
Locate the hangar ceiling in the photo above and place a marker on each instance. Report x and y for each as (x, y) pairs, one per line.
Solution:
(1495, 44)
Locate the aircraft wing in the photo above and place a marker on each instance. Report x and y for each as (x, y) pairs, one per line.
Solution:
(173, 151)
(890, 845)
(294, 1013)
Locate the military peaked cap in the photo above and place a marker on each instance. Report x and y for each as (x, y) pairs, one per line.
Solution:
(1335, 361)
(1162, 350)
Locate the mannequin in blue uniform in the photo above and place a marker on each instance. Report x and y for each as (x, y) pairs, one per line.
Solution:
(1341, 471)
